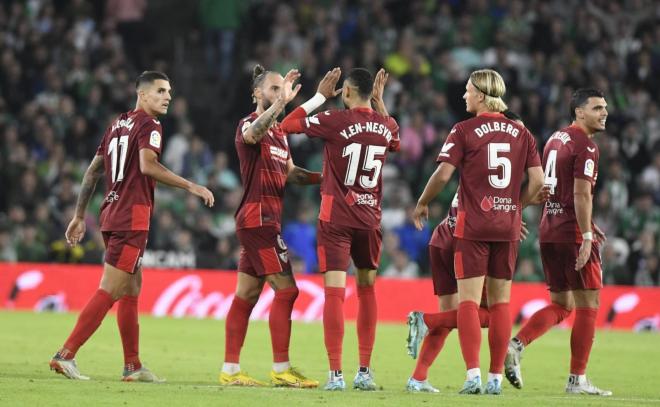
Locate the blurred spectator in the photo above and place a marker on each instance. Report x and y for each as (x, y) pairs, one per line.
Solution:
(401, 267)
(67, 68)
(300, 237)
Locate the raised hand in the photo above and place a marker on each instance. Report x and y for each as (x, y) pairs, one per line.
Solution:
(329, 83)
(379, 85)
(289, 91)
(75, 231)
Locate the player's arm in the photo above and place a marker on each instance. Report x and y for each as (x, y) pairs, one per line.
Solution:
(259, 127)
(301, 176)
(151, 167)
(534, 193)
(377, 93)
(76, 228)
(433, 187)
(582, 201)
(88, 186)
(294, 122)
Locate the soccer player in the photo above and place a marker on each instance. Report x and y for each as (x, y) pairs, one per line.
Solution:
(128, 156)
(433, 328)
(266, 166)
(492, 153)
(357, 140)
(570, 256)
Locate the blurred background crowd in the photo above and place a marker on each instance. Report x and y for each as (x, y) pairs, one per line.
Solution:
(67, 68)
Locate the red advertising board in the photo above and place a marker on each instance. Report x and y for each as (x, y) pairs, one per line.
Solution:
(207, 293)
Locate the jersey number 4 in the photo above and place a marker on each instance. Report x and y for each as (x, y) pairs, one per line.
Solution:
(370, 163)
(121, 144)
(551, 171)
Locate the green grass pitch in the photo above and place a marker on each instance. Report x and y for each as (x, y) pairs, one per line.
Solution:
(188, 352)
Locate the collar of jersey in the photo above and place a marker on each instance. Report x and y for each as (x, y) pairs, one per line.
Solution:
(491, 114)
(362, 109)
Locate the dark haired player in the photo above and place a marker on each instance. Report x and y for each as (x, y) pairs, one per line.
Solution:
(570, 256)
(357, 140)
(128, 156)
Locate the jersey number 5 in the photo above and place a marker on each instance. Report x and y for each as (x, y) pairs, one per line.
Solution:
(495, 162)
(370, 163)
(122, 146)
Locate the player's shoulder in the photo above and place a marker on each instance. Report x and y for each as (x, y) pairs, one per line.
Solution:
(245, 122)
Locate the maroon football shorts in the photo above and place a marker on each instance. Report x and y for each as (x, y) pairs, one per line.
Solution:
(263, 251)
(337, 244)
(474, 258)
(124, 250)
(559, 267)
(442, 270)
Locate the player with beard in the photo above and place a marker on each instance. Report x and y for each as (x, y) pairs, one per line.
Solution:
(266, 166)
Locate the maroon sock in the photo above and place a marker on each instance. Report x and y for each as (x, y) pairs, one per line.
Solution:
(541, 322)
(441, 320)
(88, 322)
(582, 337)
(279, 322)
(431, 347)
(129, 330)
(499, 333)
(366, 323)
(333, 324)
(236, 328)
(469, 333)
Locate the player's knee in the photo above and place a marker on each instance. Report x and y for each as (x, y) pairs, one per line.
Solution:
(365, 277)
(280, 281)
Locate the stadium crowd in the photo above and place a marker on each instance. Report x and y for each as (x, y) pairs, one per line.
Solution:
(67, 68)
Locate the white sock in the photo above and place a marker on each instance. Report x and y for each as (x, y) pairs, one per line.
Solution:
(231, 368)
(493, 376)
(279, 367)
(472, 373)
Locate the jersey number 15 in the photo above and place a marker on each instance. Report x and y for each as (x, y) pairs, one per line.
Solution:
(371, 163)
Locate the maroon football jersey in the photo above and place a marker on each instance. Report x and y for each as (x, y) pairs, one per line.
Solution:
(129, 198)
(356, 144)
(492, 154)
(568, 154)
(263, 173)
(443, 235)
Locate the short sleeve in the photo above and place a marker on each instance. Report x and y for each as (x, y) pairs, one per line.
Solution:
(393, 126)
(533, 158)
(454, 148)
(586, 163)
(101, 148)
(243, 126)
(321, 125)
(151, 136)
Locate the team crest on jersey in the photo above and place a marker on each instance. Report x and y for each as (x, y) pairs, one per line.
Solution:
(246, 125)
(589, 167)
(112, 197)
(154, 140)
